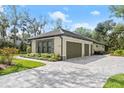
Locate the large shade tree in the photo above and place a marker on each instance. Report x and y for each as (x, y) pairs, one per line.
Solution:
(4, 24)
(36, 26)
(84, 32)
(117, 11)
(103, 29)
(15, 17)
(117, 36)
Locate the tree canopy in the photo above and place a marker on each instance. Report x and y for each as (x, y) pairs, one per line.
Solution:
(117, 11)
(84, 32)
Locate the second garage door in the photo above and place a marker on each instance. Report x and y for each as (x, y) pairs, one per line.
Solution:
(86, 49)
(73, 49)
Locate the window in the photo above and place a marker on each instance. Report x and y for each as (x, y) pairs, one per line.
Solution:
(40, 47)
(46, 46)
(49, 46)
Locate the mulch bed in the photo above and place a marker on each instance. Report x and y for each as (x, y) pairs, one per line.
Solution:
(3, 66)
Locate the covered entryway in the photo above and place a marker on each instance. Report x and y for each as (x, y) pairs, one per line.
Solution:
(86, 49)
(73, 49)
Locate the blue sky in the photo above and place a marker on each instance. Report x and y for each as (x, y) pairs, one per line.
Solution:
(73, 16)
(87, 16)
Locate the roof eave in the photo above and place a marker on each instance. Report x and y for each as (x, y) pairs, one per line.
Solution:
(44, 37)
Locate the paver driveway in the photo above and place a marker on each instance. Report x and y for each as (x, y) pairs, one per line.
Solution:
(80, 72)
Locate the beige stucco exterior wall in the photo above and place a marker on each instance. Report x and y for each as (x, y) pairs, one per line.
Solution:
(99, 48)
(33, 46)
(57, 45)
(66, 38)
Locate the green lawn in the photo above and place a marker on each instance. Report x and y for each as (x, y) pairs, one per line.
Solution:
(116, 81)
(21, 65)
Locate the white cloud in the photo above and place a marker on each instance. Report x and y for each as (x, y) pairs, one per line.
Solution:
(66, 9)
(81, 25)
(85, 25)
(1, 8)
(95, 13)
(23, 6)
(59, 15)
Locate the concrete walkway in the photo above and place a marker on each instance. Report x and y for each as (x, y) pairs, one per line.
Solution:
(88, 72)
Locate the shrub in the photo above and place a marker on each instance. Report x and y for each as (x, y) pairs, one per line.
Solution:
(6, 44)
(23, 52)
(7, 55)
(22, 46)
(118, 53)
(43, 56)
(34, 55)
(111, 52)
(2, 59)
(54, 57)
(28, 50)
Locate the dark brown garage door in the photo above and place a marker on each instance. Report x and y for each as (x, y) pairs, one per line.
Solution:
(86, 49)
(73, 49)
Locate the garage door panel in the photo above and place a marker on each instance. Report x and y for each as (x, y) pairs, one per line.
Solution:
(86, 49)
(73, 49)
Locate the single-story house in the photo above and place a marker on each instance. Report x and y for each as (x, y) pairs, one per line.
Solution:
(65, 43)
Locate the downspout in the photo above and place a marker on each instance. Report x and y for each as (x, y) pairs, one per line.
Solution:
(61, 47)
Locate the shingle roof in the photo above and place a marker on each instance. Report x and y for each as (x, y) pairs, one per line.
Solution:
(60, 32)
(48, 34)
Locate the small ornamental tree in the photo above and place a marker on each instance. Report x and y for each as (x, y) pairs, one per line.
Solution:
(7, 55)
